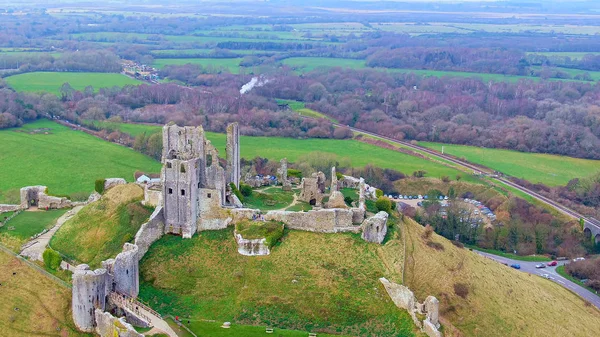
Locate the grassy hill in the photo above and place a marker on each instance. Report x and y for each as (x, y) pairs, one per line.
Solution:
(99, 230)
(500, 301)
(310, 282)
(31, 304)
(549, 169)
(67, 161)
(52, 81)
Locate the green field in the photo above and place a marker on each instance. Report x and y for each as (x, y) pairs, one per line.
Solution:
(232, 65)
(595, 75)
(358, 153)
(167, 52)
(52, 81)
(29, 223)
(551, 170)
(64, 160)
(303, 110)
(214, 329)
(17, 231)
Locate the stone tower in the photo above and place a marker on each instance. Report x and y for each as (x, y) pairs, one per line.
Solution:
(233, 154)
(183, 174)
(89, 294)
(123, 271)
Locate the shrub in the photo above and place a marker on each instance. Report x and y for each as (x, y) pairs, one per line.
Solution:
(348, 201)
(237, 192)
(384, 204)
(446, 179)
(419, 174)
(435, 245)
(339, 176)
(52, 259)
(245, 189)
(427, 233)
(458, 244)
(461, 289)
(99, 185)
(378, 193)
(294, 173)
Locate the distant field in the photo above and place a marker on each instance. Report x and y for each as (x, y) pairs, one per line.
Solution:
(572, 55)
(167, 52)
(467, 28)
(64, 160)
(595, 75)
(306, 64)
(232, 65)
(548, 169)
(359, 154)
(52, 81)
(302, 110)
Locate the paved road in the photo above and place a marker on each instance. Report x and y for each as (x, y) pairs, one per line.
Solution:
(529, 267)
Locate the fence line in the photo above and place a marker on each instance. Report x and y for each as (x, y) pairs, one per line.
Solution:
(36, 267)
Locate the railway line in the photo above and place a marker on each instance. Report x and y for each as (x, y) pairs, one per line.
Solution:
(477, 168)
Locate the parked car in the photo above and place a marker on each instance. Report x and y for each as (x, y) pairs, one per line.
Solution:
(539, 266)
(578, 259)
(552, 264)
(516, 266)
(548, 277)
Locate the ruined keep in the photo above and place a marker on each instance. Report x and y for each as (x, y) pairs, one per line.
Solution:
(311, 189)
(233, 154)
(182, 175)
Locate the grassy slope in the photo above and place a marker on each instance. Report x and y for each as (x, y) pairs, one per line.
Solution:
(536, 167)
(99, 231)
(66, 161)
(26, 225)
(501, 301)
(44, 306)
(206, 278)
(52, 81)
(304, 111)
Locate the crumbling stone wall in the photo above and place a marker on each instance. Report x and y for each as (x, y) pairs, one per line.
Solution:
(110, 326)
(212, 215)
(9, 208)
(150, 232)
(282, 175)
(233, 154)
(88, 294)
(251, 247)
(323, 220)
(125, 271)
(310, 190)
(36, 195)
(375, 228)
(112, 182)
(404, 298)
(153, 194)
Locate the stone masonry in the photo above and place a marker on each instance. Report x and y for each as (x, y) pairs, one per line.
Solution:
(123, 271)
(110, 326)
(404, 298)
(89, 294)
(233, 154)
(375, 228)
(36, 196)
(311, 189)
(282, 174)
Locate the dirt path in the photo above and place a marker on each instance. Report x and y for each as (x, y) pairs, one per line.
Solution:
(35, 248)
(294, 202)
